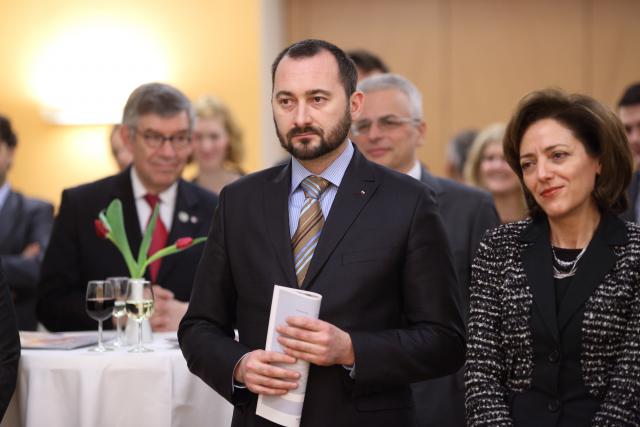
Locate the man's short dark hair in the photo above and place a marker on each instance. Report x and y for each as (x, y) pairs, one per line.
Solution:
(6, 133)
(631, 96)
(311, 47)
(367, 61)
(594, 125)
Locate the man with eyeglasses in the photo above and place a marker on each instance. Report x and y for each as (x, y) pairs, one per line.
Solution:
(389, 131)
(156, 128)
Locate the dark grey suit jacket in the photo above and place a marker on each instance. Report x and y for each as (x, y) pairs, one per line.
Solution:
(76, 255)
(467, 213)
(9, 346)
(23, 221)
(383, 267)
(632, 193)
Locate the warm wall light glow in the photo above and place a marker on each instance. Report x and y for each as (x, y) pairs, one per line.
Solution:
(86, 74)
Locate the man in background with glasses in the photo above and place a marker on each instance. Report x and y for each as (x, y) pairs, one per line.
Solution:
(156, 129)
(389, 131)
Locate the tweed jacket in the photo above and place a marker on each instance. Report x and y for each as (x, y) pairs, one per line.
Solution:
(506, 293)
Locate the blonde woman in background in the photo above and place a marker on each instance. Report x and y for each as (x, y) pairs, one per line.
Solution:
(486, 168)
(217, 147)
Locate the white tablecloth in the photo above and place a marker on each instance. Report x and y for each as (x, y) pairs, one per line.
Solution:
(58, 388)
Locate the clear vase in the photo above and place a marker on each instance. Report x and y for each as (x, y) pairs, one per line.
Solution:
(132, 325)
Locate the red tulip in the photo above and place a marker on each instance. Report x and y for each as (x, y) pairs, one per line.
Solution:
(184, 242)
(101, 229)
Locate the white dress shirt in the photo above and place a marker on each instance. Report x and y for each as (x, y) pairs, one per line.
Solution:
(167, 202)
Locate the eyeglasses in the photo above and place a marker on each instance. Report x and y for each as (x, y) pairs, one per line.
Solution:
(156, 140)
(385, 124)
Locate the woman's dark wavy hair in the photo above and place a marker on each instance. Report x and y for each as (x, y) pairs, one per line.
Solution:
(593, 124)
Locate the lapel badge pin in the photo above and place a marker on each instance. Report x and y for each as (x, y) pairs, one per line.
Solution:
(362, 193)
(194, 220)
(183, 216)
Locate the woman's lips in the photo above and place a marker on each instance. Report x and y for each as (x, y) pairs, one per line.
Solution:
(549, 192)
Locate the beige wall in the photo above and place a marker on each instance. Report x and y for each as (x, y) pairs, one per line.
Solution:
(210, 46)
(473, 60)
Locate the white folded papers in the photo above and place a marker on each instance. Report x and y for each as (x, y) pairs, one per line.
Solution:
(287, 409)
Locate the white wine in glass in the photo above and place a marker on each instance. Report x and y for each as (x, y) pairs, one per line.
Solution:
(139, 305)
(119, 311)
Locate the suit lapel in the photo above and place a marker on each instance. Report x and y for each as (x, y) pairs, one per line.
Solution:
(538, 267)
(594, 265)
(356, 188)
(8, 219)
(276, 202)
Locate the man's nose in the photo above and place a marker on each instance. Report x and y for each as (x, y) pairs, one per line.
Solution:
(303, 116)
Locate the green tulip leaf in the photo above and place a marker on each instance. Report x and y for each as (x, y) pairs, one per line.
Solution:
(146, 240)
(118, 235)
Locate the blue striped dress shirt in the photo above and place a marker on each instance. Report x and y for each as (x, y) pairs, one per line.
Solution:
(334, 174)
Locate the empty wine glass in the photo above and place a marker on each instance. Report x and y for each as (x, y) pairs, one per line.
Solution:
(139, 306)
(119, 310)
(100, 301)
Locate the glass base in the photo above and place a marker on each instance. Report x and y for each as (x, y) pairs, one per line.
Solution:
(100, 349)
(140, 350)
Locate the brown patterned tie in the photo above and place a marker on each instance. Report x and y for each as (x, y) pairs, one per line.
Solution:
(310, 224)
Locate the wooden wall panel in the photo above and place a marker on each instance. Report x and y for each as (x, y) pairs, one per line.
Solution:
(503, 49)
(615, 37)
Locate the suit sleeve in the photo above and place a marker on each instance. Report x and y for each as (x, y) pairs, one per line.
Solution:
(485, 395)
(206, 332)
(621, 404)
(60, 292)
(9, 347)
(22, 272)
(431, 342)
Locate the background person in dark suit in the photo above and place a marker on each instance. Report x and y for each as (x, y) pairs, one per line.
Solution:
(25, 226)
(389, 131)
(555, 299)
(157, 123)
(390, 311)
(629, 113)
(9, 346)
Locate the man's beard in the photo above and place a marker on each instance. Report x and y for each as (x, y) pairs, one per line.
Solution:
(304, 150)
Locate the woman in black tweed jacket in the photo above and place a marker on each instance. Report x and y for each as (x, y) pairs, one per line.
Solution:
(554, 328)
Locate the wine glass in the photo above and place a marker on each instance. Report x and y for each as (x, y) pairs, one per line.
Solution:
(119, 311)
(100, 301)
(139, 306)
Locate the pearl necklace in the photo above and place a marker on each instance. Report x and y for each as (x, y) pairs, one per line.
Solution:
(565, 269)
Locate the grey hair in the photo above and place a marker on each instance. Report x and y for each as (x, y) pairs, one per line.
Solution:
(155, 98)
(395, 81)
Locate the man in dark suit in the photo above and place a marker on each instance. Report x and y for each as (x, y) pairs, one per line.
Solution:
(9, 346)
(25, 226)
(629, 113)
(390, 309)
(388, 131)
(157, 124)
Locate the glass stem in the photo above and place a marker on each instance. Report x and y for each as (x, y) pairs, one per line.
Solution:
(119, 331)
(100, 334)
(139, 335)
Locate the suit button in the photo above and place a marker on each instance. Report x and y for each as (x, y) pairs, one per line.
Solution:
(554, 356)
(553, 406)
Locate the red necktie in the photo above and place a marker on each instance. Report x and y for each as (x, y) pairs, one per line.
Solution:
(159, 238)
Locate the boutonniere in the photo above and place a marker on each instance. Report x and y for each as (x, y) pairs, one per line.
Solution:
(110, 225)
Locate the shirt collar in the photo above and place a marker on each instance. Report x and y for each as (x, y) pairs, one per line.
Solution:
(334, 173)
(139, 191)
(4, 193)
(415, 171)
